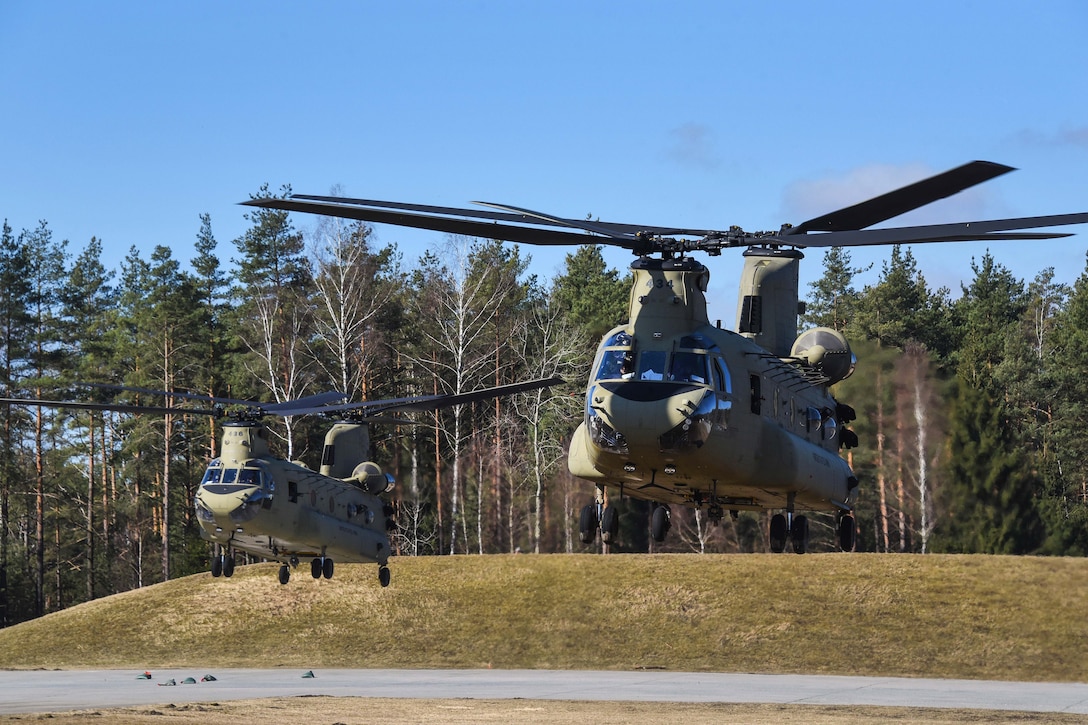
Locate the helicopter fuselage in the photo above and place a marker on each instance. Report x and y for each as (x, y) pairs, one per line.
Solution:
(680, 411)
(275, 509)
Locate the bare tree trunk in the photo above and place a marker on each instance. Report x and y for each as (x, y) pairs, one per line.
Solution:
(882, 518)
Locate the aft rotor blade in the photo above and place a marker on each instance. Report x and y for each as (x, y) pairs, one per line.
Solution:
(907, 198)
(996, 229)
(469, 227)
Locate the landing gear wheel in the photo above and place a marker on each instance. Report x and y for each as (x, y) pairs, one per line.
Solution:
(285, 574)
(587, 523)
(228, 566)
(316, 568)
(610, 524)
(217, 566)
(847, 532)
(660, 522)
(326, 568)
(779, 533)
(799, 534)
(384, 575)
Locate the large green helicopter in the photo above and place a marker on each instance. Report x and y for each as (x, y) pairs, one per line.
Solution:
(679, 411)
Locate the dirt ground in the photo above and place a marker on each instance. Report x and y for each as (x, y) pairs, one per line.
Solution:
(348, 711)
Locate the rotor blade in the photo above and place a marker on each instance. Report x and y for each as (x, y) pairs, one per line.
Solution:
(183, 396)
(487, 230)
(609, 229)
(421, 403)
(959, 232)
(117, 407)
(904, 199)
(309, 403)
(530, 215)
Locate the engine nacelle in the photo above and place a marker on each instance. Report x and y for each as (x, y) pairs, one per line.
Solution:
(371, 479)
(826, 351)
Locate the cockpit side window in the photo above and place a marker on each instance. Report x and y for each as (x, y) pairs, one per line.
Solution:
(616, 365)
(722, 380)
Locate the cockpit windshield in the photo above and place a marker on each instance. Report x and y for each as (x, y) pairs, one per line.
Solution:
(689, 367)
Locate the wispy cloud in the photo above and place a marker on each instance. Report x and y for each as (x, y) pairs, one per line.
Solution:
(1065, 137)
(692, 144)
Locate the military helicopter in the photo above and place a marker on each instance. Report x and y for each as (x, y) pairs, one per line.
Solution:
(249, 500)
(682, 412)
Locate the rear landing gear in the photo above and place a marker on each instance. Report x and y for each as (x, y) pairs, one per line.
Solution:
(660, 522)
(847, 532)
(383, 575)
(285, 574)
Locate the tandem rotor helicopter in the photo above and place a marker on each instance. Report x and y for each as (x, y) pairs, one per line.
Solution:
(681, 412)
(249, 500)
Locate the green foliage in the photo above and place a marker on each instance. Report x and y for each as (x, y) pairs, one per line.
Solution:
(989, 488)
(592, 295)
(833, 300)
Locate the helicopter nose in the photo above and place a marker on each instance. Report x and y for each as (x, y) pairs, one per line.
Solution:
(645, 414)
(237, 505)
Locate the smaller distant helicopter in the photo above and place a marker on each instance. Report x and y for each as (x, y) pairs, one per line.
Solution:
(252, 501)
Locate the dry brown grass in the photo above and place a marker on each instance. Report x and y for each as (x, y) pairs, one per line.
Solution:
(1014, 618)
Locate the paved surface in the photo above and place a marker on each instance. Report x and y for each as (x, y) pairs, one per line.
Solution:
(58, 691)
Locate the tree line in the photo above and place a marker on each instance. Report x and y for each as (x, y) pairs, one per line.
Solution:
(97, 502)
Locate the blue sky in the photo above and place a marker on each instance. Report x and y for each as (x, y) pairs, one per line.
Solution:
(126, 121)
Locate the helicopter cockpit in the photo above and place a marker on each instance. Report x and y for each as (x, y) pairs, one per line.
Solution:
(694, 362)
(251, 480)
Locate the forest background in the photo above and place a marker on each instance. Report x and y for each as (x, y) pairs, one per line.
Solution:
(971, 411)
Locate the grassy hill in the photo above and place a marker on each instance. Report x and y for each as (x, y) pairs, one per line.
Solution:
(1017, 618)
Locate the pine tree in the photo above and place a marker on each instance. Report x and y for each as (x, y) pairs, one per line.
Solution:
(833, 300)
(988, 488)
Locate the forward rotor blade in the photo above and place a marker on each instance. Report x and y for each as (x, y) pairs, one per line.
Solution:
(487, 230)
(904, 199)
(960, 232)
(310, 403)
(116, 407)
(530, 215)
(609, 229)
(422, 403)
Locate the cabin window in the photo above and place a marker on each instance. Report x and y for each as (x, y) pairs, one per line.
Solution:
(292, 491)
(651, 365)
(755, 389)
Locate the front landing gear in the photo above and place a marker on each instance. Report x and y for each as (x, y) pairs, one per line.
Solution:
(321, 566)
(384, 575)
(789, 528)
(223, 565)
